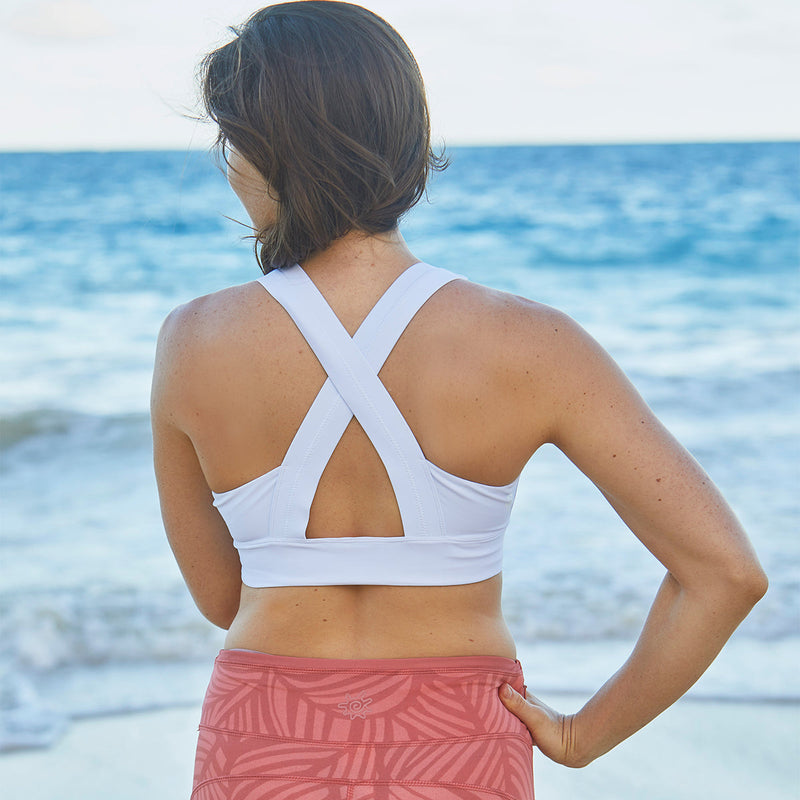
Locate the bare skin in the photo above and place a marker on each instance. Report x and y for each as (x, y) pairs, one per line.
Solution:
(483, 379)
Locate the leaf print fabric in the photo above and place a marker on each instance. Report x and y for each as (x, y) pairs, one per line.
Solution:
(288, 728)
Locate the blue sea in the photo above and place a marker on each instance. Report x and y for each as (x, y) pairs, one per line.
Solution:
(682, 260)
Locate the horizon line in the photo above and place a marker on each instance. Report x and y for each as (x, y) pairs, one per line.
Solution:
(165, 148)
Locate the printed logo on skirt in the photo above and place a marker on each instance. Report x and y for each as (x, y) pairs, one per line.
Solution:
(355, 706)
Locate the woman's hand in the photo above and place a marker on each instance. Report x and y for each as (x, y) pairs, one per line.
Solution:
(553, 733)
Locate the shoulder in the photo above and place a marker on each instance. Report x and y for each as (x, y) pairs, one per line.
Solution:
(206, 318)
(201, 338)
(538, 352)
(518, 361)
(221, 328)
(512, 324)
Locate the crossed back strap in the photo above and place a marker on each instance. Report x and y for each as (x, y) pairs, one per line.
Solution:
(354, 389)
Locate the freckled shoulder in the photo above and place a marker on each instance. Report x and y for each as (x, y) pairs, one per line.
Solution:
(211, 326)
(215, 317)
(202, 338)
(508, 326)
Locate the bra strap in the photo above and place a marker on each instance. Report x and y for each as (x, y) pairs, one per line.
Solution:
(352, 387)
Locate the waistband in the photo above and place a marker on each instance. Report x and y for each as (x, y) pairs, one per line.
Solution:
(493, 665)
(386, 701)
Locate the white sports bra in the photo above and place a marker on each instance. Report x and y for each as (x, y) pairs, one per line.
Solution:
(452, 528)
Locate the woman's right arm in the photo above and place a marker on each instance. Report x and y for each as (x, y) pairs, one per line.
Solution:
(713, 576)
(196, 532)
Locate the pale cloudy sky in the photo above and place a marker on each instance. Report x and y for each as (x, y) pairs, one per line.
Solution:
(114, 74)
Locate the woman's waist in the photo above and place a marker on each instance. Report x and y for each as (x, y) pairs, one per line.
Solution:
(373, 622)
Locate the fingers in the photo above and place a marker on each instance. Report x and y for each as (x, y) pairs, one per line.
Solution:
(553, 733)
(509, 695)
(525, 710)
(513, 699)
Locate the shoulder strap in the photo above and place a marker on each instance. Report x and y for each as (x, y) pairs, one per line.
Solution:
(353, 387)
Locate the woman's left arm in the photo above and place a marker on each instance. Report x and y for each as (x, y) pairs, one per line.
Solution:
(196, 532)
(713, 580)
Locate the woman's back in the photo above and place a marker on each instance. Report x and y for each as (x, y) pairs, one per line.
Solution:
(464, 375)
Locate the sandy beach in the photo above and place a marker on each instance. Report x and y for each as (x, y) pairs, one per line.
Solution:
(697, 750)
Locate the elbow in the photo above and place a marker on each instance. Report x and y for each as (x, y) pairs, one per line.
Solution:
(735, 587)
(756, 584)
(220, 619)
(747, 583)
(219, 611)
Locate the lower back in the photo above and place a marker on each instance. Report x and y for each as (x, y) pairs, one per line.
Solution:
(373, 621)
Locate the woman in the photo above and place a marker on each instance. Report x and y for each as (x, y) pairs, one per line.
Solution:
(337, 448)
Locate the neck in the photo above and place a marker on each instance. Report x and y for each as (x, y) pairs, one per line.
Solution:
(357, 256)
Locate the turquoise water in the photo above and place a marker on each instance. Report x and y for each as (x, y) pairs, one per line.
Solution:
(682, 260)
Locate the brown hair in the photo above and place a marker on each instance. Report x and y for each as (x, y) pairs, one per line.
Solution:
(326, 101)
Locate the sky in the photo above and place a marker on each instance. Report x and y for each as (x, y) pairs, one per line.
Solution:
(119, 74)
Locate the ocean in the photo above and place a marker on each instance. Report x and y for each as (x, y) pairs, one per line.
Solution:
(682, 260)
